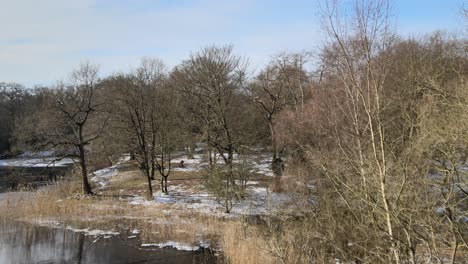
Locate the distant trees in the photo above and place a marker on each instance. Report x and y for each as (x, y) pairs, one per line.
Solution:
(13, 100)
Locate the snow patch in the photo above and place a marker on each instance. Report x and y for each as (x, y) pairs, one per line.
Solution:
(258, 201)
(139, 200)
(86, 231)
(179, 245)
(93, 232)
(102, 177)
(37, 162)
(32, 154)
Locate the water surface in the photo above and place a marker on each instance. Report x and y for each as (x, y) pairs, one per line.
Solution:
(24, 243)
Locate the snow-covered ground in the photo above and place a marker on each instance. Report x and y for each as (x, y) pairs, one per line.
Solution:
(198, 163)
(102, 177)
(260, 164)
(37, 162)
(258, 201)
(38, 154)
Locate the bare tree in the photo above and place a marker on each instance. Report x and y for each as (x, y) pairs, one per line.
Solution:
(283, 84)
(68, 119)
(169, 135)
(213, 77)
(137, 97)
(352, 53)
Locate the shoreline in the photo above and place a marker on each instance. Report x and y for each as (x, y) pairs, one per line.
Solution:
(188, 218)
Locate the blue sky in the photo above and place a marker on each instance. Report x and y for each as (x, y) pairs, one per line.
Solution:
(41, 42)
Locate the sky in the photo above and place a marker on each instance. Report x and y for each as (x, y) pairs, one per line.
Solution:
(42, 41)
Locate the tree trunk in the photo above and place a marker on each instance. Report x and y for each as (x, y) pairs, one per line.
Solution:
(190, 150)
(209, 156)
(165, 185)
(454, 252)
(226, 198)
(276, 162)
(230, 161)
(109, 161)
(273, 141)
(152, 170)
(84, 172)
(149, 190)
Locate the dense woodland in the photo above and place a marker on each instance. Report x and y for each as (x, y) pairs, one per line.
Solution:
(370, 133)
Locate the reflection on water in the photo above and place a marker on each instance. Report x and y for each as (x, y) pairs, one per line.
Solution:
(22, 243)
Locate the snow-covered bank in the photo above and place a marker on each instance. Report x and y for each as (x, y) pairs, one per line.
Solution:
(86, 231)
(38, 154)
(179, 246)
(260, 164)
(37, 162)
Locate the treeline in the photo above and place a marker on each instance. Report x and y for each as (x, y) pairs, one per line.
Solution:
(375, 136)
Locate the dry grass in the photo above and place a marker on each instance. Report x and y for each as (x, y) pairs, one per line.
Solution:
(186, 175)
(130, 182)
(244, 246)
